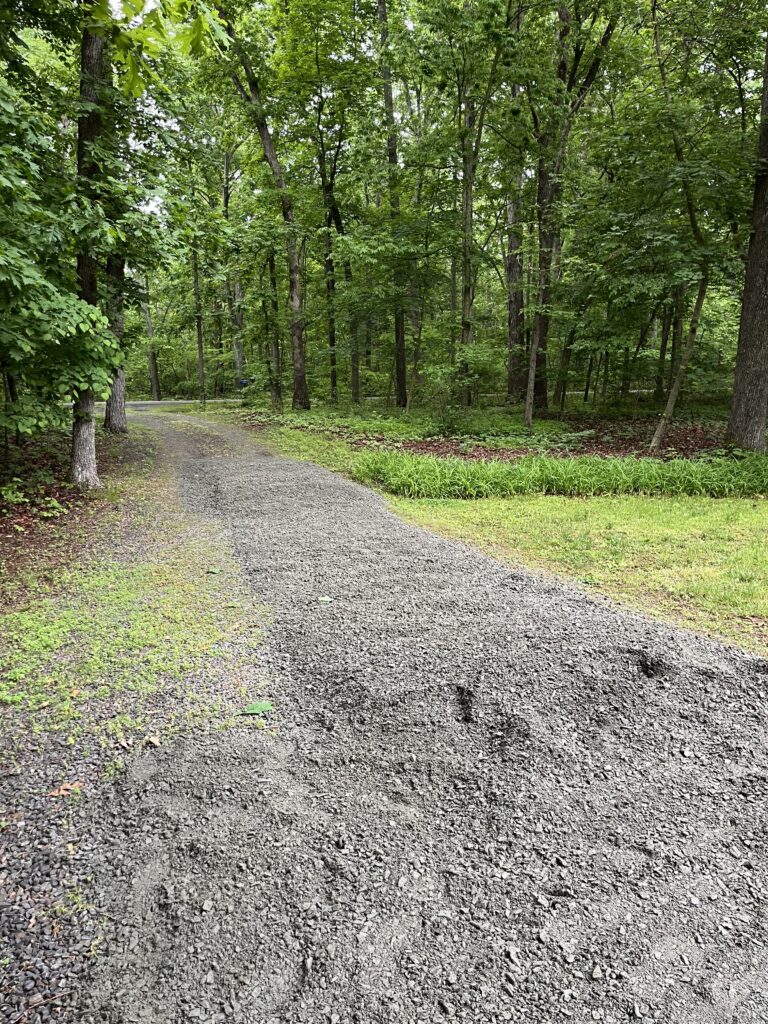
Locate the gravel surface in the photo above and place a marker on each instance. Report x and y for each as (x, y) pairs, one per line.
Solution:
(483, 796)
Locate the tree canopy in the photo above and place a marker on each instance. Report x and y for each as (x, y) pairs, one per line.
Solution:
(402, 199)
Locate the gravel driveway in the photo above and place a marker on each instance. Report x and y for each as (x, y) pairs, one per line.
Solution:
(483, 796)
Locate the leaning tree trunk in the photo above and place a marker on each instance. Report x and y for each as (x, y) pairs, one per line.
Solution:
(115, 419)
(749, 409)
(685, 356)
(83, 471)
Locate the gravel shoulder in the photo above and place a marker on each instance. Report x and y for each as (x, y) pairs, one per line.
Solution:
(483, 796)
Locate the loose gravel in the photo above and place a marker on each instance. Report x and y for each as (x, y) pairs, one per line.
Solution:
(482, 796)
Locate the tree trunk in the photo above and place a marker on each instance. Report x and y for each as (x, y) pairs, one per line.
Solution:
(658, 389)
(198, 326)
(154, 375)
(467, 229)
(235, 306)
(749, 408)
(677, 334)
(536, 392)
(561, 387)
(275, 364)
(330, 299)
(401, 386)
(513, 267)
(677, 383)
(83, 469)
(115, 419)
(590, 364)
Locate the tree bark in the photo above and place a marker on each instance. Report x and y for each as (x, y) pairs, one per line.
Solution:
(274, 363)
(198, 326)
(83, 470)
(115, 419)
(513, 272)
(590, 364)
(401, 384)
(749, 407)
(698, 237)
(330, 299)
(658, 388)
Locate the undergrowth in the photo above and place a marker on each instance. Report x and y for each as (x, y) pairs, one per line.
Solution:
(424, 476)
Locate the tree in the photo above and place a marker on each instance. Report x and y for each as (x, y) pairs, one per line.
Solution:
(749, 409)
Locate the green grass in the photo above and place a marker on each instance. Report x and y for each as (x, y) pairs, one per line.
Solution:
(698, 562)
(422, 476)
(90, 635)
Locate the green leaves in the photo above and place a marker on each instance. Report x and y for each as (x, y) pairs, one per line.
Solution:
(261, 707)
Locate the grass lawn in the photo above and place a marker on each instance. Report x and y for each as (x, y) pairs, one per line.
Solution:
(701, 562)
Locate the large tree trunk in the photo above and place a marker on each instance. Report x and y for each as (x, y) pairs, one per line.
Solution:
(401, 385)
(83, 469)
(115, 419)
(749, 409)
(198, 326)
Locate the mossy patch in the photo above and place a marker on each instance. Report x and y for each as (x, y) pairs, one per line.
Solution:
(155, 603)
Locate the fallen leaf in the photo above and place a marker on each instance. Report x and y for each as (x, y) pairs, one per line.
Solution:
(66, 789)
(153, 741)
(261, 707)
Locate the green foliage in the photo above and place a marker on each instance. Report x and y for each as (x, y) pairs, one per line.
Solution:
(429, 477)
(50, 342)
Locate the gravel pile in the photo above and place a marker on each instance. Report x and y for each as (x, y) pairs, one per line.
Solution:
(482, 796)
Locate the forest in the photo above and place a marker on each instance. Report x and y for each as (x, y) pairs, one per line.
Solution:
(537, 206)
(383, 488)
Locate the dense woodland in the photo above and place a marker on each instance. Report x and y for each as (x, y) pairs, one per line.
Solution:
(415, 200)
